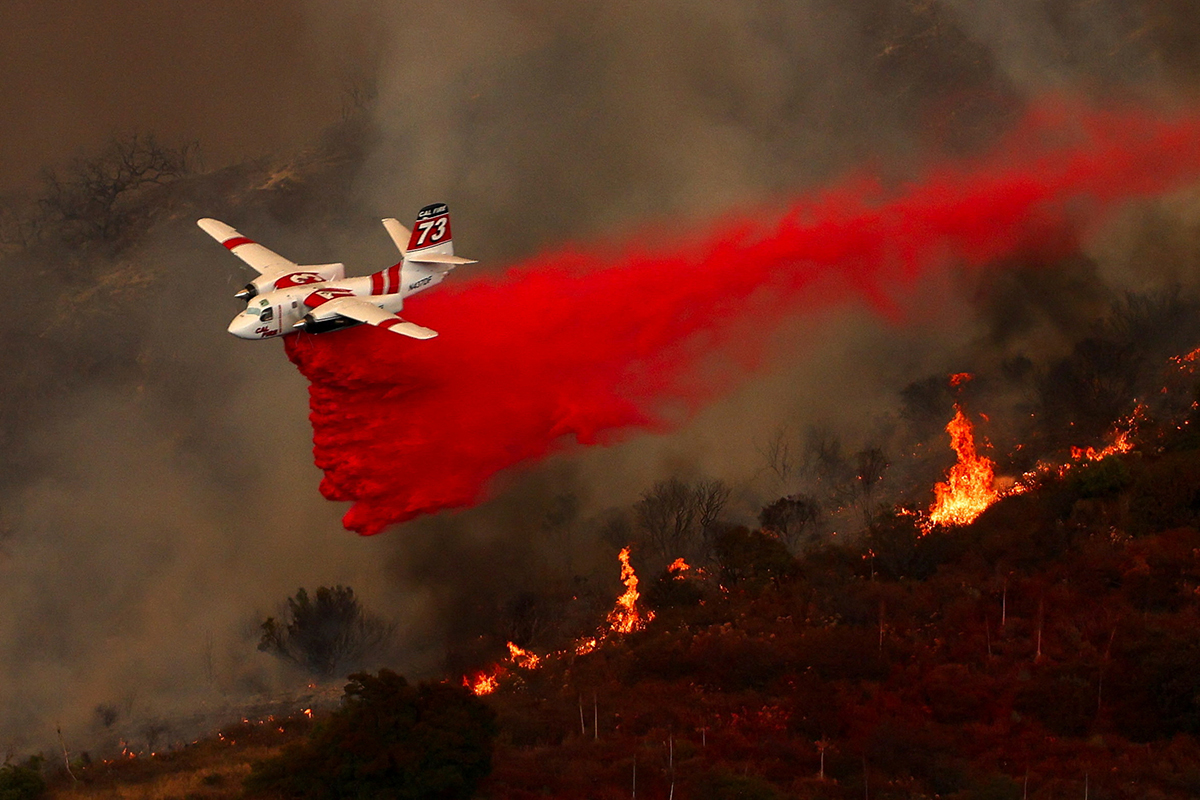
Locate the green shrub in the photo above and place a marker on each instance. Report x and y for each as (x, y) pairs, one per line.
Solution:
(326, 633)
(721, 784)
(1166, 494)
(995, 787)
(752, 557)
(1102, 478)
(22, 782)
(1063, 697)
(1152, 688)
(390, 739)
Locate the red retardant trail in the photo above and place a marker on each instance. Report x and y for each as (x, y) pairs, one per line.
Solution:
(572, 345)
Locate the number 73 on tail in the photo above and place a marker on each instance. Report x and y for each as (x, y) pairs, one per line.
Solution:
(287, 297)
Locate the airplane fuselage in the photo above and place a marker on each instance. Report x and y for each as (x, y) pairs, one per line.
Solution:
(294, 297)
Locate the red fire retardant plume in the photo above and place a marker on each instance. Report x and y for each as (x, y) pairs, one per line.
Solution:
(578, 347)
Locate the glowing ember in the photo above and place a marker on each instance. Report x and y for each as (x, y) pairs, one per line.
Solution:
(677, 568)
(585, 646)
(970, 486)
(1187, 361)
(523, 658)
(624, 618)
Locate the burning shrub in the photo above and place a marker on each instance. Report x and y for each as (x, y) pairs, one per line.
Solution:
(390, 739)
(1082, 394)
(674, 589)
(327, 634)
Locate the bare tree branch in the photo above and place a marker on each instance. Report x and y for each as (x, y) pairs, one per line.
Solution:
(93, 199)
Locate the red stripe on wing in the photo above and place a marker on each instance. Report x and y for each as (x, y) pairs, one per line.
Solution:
(322, 296)
(237, 241)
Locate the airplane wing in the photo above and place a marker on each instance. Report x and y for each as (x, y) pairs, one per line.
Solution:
(360, 310)
(246, 249)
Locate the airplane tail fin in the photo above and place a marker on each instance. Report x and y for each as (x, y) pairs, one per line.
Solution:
(431, 233)
(427, 253)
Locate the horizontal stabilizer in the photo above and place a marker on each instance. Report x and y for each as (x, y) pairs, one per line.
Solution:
(439, 258)
(400, 234)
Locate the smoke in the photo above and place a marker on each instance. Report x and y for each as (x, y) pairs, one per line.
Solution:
(573, 345)
(244, 79)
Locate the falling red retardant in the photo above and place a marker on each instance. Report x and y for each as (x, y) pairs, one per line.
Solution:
(571, 347)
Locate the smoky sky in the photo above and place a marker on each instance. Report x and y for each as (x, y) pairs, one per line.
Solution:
(159, 497)
(243, 78)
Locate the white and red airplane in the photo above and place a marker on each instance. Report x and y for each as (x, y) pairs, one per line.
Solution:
(287, 297)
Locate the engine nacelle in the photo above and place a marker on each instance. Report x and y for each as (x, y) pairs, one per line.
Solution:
(300, 276)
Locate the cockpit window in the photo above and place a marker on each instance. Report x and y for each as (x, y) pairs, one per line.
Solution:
(252, 310)
(268, 314)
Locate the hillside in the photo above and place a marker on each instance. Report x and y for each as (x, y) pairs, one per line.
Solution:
(1048, 649)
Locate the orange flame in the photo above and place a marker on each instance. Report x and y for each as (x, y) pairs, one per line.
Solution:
(484, 682)
(1123, 436)
(970, 486)
(624, 618)
(523, 658)
(677, 568)
(959, 378)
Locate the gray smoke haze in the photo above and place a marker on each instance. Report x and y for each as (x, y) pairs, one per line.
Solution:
(565, 124)
(159, 497)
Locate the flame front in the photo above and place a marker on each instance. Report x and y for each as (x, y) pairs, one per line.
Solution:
(1123, 431)
(624, 618)
(523, 658)
(970, 486)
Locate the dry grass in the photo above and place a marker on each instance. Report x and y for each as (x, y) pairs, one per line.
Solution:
(205, 783)
(210, 769)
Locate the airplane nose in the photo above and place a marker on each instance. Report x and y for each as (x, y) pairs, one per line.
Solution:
(243, 326)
